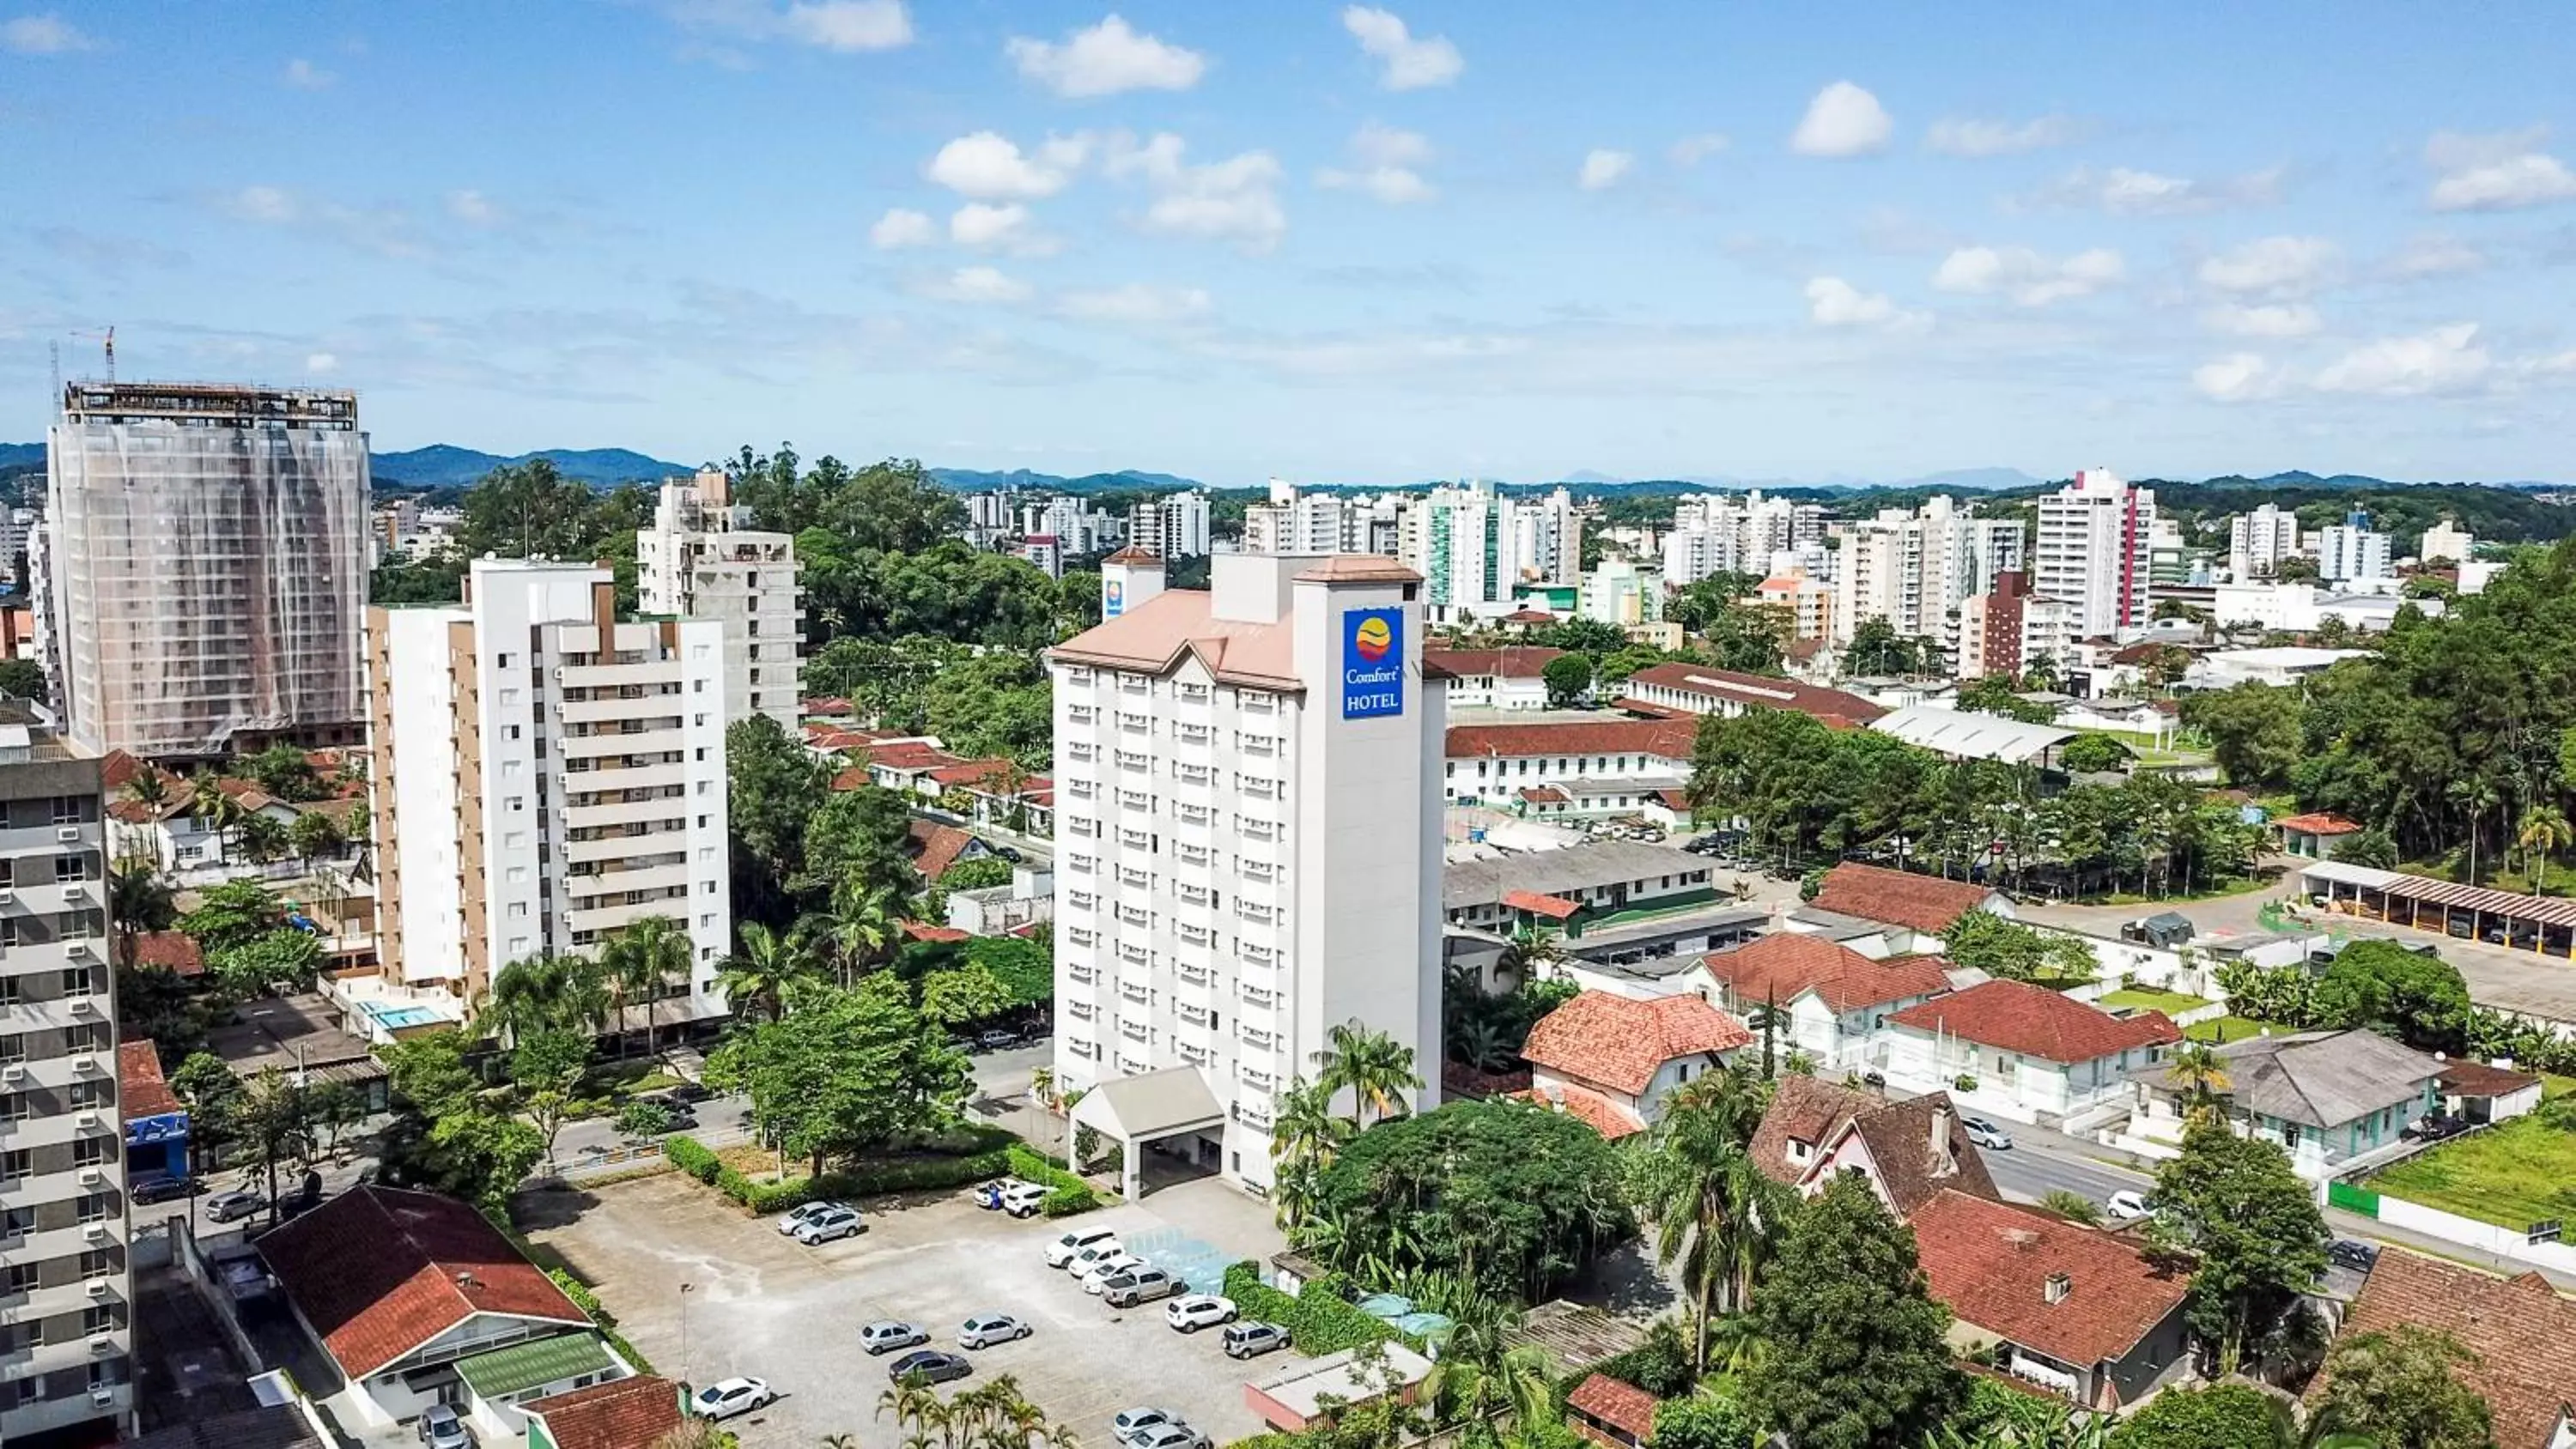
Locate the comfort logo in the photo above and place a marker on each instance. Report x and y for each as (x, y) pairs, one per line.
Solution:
(1372, 663)
(1372, 639)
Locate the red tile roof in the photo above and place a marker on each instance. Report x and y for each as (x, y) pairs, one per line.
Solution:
(1898, 897)
(2319, 823)
(1131, 554)
(2522, 1331)
(1991, 1262)
(1760, 691)
(972, 772)
(174, 951)
(1621, 1406)
(2477, 1079)
(1529, 616)
(937, 847)
(1620, 1042)
(1544, 795)
(379, 1271)
(909, 755)
(140, 1089)
(1591, 1108)
(2016, 1016)
(1555, 908)
(1910, 1170)
(621, 1414)
(1668, 739)
(1518, 661)
(823, 704)
(1781, 966)
(924, 931)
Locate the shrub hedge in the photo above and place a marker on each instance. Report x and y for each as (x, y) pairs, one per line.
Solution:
(976, 1154)
(1067, 1194)
(1318, 1319)
(588, 1302)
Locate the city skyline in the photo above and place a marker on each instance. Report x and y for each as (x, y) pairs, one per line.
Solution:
(1372, 245)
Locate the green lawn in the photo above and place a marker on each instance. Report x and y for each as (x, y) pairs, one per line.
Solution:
(2220, 1030)
(2138, 998)
(2512, 1176)
(2554, 1086)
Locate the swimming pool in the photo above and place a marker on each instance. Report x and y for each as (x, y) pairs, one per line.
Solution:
(397, 1018)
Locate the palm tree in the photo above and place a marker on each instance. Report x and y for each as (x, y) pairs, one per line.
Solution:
(542, 993)
(260, 838)
(1376, 1070)
(640, 962)
(758, 973)
(1480, 1373)
(1304, 1138)
(865, 927)
(1713, 1209)
(2544, 829)
(1531, 950)
(2202, 1077)
(2475, 796)
(216, 812)
(149, 788)
(1769, 1019)
(905, 1401)
(138, 901)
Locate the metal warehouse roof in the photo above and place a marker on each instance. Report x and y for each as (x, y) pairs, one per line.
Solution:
(2548, 910)
(1964, 735)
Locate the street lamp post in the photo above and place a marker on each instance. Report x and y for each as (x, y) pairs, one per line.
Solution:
(685, 1288)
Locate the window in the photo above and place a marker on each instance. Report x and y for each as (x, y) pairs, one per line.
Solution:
(76, 982)
(96, 1263)
(16, 1163)
(86, 1093)
(67, 810)
(13, 1047)
(91, 1207)
(22, 1278)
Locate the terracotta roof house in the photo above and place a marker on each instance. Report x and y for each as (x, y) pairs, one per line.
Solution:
(627, 1413)
(1698, 689)
(2522, 1331)
(1926, 905)
(1834, 999)
(2071, 1308)
(1630, 1051)
(1612, 1412)
(396, 1284)
(156, 1122)
(1511, 677)
(2316, 836)
(1606, 764)
(935, 847)
(174, 951)
(2483, 1093)
(2023, 1051)
(1907, 1150)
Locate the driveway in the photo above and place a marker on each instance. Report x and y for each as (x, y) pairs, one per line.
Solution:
(758, 1304)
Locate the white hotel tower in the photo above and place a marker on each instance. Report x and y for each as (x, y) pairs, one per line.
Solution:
(1247, 843)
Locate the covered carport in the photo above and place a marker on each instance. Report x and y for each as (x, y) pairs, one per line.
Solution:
(1151, 1107)
(2544, 925)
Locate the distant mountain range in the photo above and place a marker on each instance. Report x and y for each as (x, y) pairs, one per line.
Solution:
(444, 465)
(968, 480)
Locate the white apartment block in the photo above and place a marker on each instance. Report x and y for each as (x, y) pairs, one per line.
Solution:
(1622, 593)
(1294, 521)
(66, 1285)
(1248, 843)
(2346, 553)
(1726, 534)
(2092, 551)
(2447, 539)
(1912, 567)
(207, 566)
(1172, 527)
(1473, 547)
(1076, 527)
(543, 777)
(701, 560)
(2258, 541)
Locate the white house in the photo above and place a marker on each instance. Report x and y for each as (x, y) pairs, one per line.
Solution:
(2023, 1051)
(2326, 1097)
(1917, 908)
(1509, 678)
(1835, 1000)
(1611, 765)
(1612, 1060)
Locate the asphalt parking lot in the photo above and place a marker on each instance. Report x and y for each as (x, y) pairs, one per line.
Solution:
(761, 1305)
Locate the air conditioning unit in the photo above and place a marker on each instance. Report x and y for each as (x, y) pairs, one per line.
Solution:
(102, 1344)
(84, 1006)
(103, 1395)
(95, 1232)
(7, 895)
(88, 1063)
(93, 1177)
(97, 1287)
(13, 1073)
(67, 832)
(90, 1120)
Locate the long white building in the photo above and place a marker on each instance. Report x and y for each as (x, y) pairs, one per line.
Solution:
(1248, 829)
(543, 777)
(702, 560)
(2092, 551)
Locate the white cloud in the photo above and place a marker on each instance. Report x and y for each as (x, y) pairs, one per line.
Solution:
(304, 75)
(2026, 276)
(46, 34)
(1236, 199)
(2435, 256)
(2498, 171)
(473, 208)
(849, 25)
(1105, 60)
(1135, 304)
(980, 285)
(1833, 302)
(321, 362)
(1603, 169)
(1692, 150)
(2237, 377)
(1964, 137)
(1410, 63)
(2269, 319)
(260, 203)
(989, 166)
(901, 227)
(2288, 266)
(1843, 120)
(1386, 161)
(2446, 359)
(983, 226)
(2122, 191)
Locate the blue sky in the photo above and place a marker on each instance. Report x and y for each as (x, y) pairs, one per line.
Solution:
(1331, 242)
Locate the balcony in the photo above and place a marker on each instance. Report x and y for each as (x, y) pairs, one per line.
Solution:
(623, 847)
(660, 776)
(618, 917)
(668, 739)
(599, 711)
(633, 812)
(618, 882)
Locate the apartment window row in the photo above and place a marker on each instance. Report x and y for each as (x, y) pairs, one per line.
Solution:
(1080, 714)
(1081, 900)
(1259, 915)
(1189, 774)
(1197, 1015)
(1136, 760)
(1192, 814)
(1135, 839)
(1192, 734)
(1134, 915)
(1257, 701)
(1086, 829)
(1077, 674)
(1080, 752)
(1081, 935)
(1257, 870)
(1194, 693)
(1137, 876)
(1078, 864)
(1134, 1031)
(1089, 1051)
(1259, 787)
(1196, 935)
(1136, 800)
(1134, 684)
(1252, 744)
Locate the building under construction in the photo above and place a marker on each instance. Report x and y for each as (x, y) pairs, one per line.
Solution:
(205, 574)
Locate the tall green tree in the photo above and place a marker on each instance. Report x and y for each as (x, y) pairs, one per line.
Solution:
(844, 1072)
(2218, 1416)
(774, 787)
(546, 1067)
(1305, 1136)
(2420, 1000)
(1568, 678)
(544, 993)
(1854, 1350)
(963, 994)
(642, 960)
(1714, 1211)
(235, 913)
(139, 902)
(759, 971)
(2252, 1232)
(1371, 1066)
(2403, 1387)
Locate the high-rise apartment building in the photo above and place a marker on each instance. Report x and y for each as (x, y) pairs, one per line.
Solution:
(1248, 828)
(207, 566)
(1727, 534)
(1294, 521)
(1076, 527)
(1623, 593)
(2346, 552)
(2448, 540)
(66, 1286)
(544, 776)
(702, 560)
(2092, 551)
(1174, 526)
(2258, 541)
(1912, 567)
(1474, 546)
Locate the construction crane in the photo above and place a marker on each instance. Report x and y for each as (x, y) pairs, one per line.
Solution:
(108, 341)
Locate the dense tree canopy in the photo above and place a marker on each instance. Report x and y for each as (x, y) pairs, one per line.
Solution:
(1853, 1350)
(2253, 1233)
(2403, 1387)
(843, 1072)
(2218, 1416)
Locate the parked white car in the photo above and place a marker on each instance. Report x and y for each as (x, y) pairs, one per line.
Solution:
(2128, 1205)
(797, 1217)
(1197, 1311)
(1106, 1269)
(1024, 1200)
(986, 1329)
(829, 1226)
(1062, 1250)
(1087, 1259)
(727, 1397)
